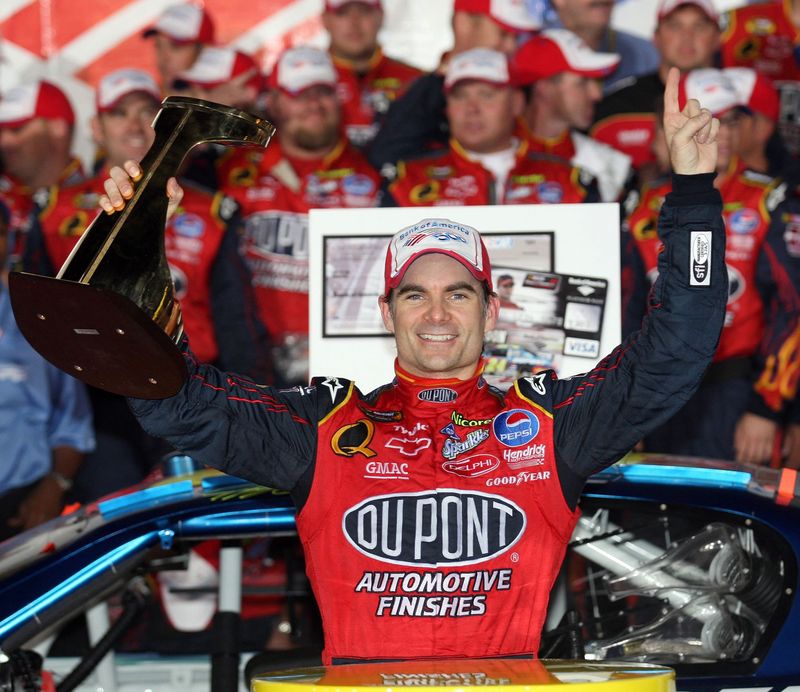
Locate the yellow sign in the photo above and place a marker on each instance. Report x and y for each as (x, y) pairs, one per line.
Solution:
(514, 675)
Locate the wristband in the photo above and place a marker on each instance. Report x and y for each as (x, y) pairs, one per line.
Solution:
(63, 482)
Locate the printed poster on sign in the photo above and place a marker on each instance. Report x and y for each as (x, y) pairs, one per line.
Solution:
(543, 316)
(354, 267)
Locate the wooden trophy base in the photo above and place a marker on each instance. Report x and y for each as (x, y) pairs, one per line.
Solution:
(100, 337)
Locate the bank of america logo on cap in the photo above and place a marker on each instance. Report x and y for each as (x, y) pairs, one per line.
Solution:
(462, 243)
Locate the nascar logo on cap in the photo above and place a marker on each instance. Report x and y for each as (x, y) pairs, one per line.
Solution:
(516, 427)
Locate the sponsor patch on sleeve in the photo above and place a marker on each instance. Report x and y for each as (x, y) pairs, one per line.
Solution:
(700, 259)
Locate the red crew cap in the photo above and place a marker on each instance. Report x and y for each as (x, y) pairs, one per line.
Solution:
(756, 91)
(558, 50)
(25, 102)
(512, 15)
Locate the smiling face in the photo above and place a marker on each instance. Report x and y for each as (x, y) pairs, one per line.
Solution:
(126, 131)
(309, 120)
(439, 317)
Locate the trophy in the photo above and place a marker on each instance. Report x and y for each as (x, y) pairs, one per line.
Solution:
(110, 317)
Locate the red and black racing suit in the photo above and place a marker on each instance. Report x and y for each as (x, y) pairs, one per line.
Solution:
(435, 513)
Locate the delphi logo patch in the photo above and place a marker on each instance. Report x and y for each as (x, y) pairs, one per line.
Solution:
(700, 259)
(434, 527)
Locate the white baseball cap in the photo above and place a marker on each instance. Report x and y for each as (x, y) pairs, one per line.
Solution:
(301, 68)
(756, 91)
(215, 66)
(457, 240)
(482, 64)
(666, 7)
(711, 87)
(116, 85)
(184, 23)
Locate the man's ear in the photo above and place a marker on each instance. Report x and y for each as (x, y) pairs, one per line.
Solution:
(492, 311)
(518, 103)
(386, 314)
(97, 131)
(59, 127)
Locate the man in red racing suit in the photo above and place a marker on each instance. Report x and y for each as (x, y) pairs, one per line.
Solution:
(435, 511)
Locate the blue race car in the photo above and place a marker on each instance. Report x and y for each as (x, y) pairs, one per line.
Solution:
(685, 562)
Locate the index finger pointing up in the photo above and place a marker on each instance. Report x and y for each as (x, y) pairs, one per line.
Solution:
(671, 92)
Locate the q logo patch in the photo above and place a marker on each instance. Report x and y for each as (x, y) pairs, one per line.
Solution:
(353, 439)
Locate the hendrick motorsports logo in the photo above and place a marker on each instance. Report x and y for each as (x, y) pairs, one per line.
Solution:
(516, 427)
(436, 527)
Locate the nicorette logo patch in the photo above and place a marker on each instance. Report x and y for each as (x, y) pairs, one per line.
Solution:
(438, 395)
(516, 427)
(432, 528)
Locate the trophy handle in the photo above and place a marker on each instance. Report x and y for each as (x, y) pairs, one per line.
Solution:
(110, 317)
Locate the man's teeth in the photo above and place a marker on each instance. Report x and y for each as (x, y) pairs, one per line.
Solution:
(437, 337)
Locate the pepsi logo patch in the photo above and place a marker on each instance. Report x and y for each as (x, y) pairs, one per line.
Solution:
(358, 184)
(550, 193)
(189, 225)
(516, 427)
(744, 221)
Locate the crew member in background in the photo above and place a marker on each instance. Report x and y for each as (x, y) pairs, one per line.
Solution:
(564, 76)
(36, 130)
(687, 37)
(416, 122)
(368, 81)
(201, 242)
(45, 423)
(736, 412)
(309, 163)
(484, 162)
(764, 36)
(591, 20)
(179, 34)
(761, 146)
(225, 76)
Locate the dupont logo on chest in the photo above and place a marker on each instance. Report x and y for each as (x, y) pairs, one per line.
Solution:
(700, 259)
(432, 528)
(438, 395)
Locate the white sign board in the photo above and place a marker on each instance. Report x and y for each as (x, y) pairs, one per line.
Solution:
(560, 261)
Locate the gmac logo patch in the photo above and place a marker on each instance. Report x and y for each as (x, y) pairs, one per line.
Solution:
(435, 527)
